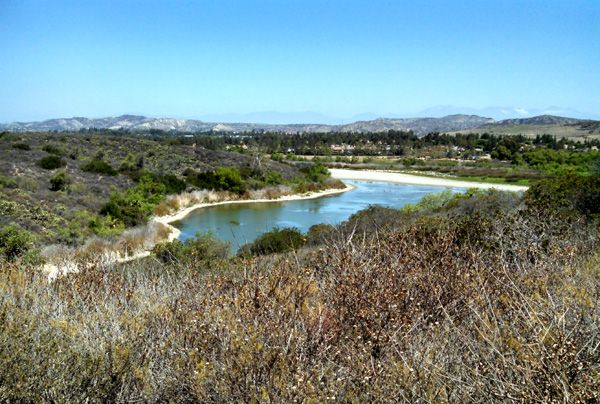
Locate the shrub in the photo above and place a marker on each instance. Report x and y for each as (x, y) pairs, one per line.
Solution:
(135, 205)
(99, 167)
(567, 196)
(275, 241)
(316, 172)
(59, 181)
(202, 248)
(273, 178)
(8, 182)
(51, 162)
(21, 146)
(14, 242)
(53, 150)
(221, 179)
(430, 202)
(318, 234)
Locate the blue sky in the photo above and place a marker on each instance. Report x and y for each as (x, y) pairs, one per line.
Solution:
(193, 59)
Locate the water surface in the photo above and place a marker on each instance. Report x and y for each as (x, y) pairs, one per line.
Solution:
(244, 222)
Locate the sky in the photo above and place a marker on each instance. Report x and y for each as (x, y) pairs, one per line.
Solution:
(342, 59)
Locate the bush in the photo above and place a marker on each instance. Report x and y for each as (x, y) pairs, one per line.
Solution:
(430, 202)
(567, 196)
(135, 205)
(275, 241)
(8, 182)
(202, 248)
(99, 167)
(53, 150)
(51, 162)
(59, 181)
(14, 242)
(318, 234)
(21, 146)
(221, 179)
(316, 172)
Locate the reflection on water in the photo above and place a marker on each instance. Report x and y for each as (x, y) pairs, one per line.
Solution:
(242, 223)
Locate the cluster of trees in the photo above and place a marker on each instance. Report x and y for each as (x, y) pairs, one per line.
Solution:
(386, 143)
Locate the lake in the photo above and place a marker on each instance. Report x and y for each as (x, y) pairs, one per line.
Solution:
(243, 223)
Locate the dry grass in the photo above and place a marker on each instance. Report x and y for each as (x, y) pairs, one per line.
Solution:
(479, 310)
(104, 251)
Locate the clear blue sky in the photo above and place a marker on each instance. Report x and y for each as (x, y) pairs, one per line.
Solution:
(338, 58)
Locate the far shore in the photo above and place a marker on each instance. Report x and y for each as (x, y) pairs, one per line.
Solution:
(401, 178)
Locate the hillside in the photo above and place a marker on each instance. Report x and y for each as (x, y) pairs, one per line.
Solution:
(26, 197)
(482, 297)
(420, 126)
(540, 125)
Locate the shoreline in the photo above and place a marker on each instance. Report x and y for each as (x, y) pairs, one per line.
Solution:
(54, 269)
(401, 178)
(179, 215)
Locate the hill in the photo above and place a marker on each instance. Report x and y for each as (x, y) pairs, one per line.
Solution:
(55, 184)
(540, 125)
(135, 123)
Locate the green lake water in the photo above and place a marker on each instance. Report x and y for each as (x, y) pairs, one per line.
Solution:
(243, 223)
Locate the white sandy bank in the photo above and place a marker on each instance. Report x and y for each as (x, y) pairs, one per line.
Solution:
(390, 176)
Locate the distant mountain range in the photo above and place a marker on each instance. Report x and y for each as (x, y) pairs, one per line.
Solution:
(421, 126)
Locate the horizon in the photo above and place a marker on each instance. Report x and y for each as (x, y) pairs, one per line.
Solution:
(280, 62)
(332, 121)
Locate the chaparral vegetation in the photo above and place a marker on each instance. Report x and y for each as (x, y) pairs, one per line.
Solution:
(482, 296)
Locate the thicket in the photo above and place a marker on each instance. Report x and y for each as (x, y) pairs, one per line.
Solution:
(21, 146)
(194, 251)
(220, 179)
(448, 307)
(59, 181)
(99, 166)
(274, 241)
(52, 149)
(51, 162)
(17, 244)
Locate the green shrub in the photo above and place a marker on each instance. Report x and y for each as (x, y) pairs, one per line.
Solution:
(21, 146)
(135, 205)
(567, 196)
(14, 242)
(202, 248)
(273, 178)
(275, 241)
(99, 167)
(53, 150)
(277, 157)
(430, 202)
(8, 182)
(59, 181)
(173, 184)
(51, 162)
(221, 179)
(316, 172)
(319, 233)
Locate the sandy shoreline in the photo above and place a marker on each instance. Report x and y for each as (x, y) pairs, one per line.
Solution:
(400, 178)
